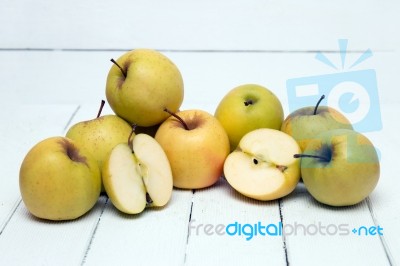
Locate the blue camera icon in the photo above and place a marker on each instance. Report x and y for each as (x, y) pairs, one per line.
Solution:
(353, 93)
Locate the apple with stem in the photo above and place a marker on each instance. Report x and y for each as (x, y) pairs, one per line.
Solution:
(59, 180)
(262, 167)
(306, 123)
(246, 108)
(137, 174)
(340, 167)
(196, 145)
(100, 135)
(141, 83)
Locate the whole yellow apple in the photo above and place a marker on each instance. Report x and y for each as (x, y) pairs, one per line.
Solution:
(196, 148)
(59, 180)
(246, 108)
(141, 83)
(306, 123)
(340, 167)
(100, 135)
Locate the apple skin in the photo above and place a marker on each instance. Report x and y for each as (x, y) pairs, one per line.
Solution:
(349, 176)
(304, 126)
(262, 167)
(59, 180)
(238, 118)
(196, 155)
(153, 82)
(99, 136)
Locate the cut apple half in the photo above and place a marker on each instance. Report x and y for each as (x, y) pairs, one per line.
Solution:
(263, 167)
(138, 176)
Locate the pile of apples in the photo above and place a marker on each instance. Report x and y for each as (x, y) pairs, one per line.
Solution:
(149, 146)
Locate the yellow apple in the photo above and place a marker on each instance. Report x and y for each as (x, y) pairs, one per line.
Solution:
(263, 167)
(340, 167)
(246, 108)
(99, 136)
(196, 148)
(59, 180)
(306, 123)
(141, 83)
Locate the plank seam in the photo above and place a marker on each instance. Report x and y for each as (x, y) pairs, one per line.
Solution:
(5, 49)
(93, 233)
(188, 229)
(10, 216)
(71, 118)
(283, 235)
(381, 237)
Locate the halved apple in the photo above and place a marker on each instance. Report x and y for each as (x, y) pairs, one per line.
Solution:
(263, 167)
(138, 176)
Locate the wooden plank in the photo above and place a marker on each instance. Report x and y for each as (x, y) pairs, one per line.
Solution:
(45, 242)
(221, 205)
(205, 25)
(318, 240)
(154, 237)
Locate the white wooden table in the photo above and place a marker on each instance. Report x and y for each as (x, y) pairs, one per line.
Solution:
(54, 58)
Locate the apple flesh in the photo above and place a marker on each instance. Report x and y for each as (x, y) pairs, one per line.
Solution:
(59, 180)
(340, 167)
(141, 83)
(246, 108)
(262, 167)
(138, 176)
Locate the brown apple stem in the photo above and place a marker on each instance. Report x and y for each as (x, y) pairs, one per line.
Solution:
(316, 107)
(177, 117)
(248, 102)
(130, 139)
(311, 156)
(101, 108)
(122, 70)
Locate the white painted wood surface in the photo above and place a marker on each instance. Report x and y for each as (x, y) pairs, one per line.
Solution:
(54, 58)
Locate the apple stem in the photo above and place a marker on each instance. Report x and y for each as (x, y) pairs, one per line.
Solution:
(311, 156)
(101, 108)
(122, 70)
(130, 139)
(177, 117)
(319, 101)
(248, 102)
